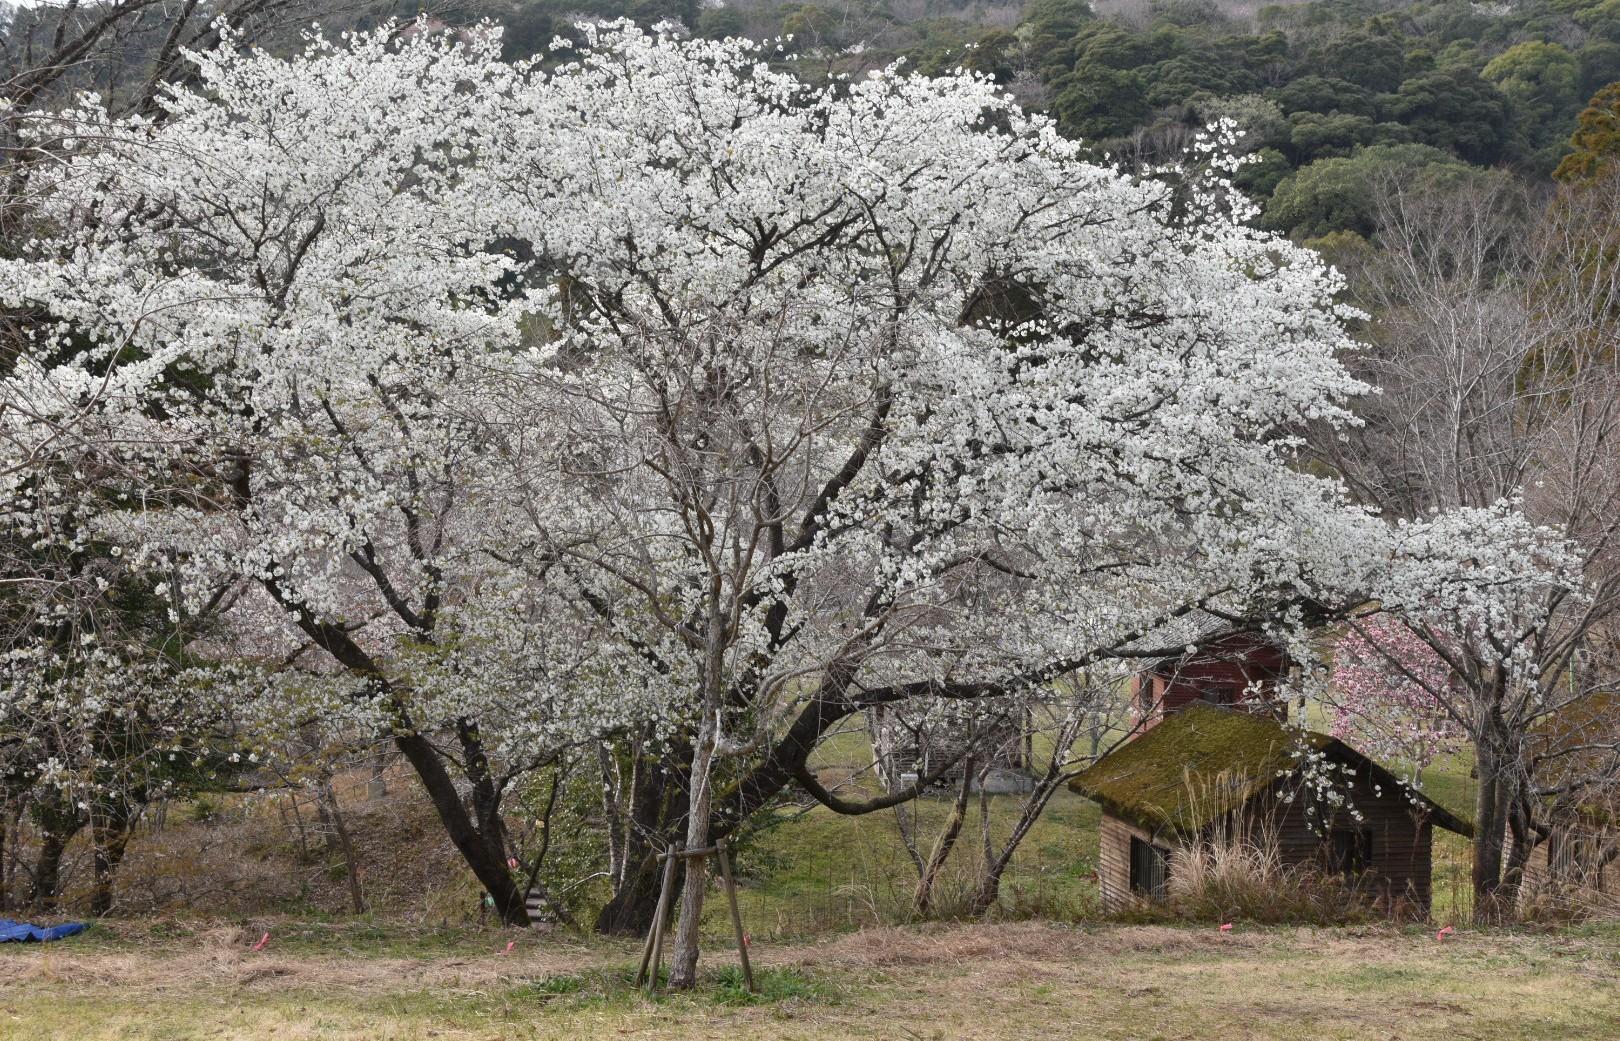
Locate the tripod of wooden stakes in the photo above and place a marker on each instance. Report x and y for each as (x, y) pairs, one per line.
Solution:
(652, 955)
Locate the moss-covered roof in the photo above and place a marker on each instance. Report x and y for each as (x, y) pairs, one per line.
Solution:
(1594, 722)
(1202, 761)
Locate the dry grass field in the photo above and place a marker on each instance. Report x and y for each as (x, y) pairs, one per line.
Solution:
(990, 982)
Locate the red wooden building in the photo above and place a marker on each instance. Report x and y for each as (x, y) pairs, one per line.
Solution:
(1233, 670)
(1207, 774)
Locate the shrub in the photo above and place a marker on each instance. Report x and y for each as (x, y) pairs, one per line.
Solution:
(1231, 878)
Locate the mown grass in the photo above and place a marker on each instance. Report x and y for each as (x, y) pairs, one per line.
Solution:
(990, 982)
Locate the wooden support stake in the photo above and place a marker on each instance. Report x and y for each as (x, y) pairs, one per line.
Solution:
(736, 916)
(658, 921)
(685, 854)
(646, 956)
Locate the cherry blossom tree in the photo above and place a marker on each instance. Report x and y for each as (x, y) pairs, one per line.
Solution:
(872, 392)
(1380, 689)
(90, 738)
(280, 301)
(1494, 353)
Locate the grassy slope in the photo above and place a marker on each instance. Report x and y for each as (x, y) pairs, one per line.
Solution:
(822, 871)
(987, 982)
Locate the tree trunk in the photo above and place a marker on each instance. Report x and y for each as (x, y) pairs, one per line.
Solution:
(629, 912)
(338, 842)
(986, 846)
(484, 853)
(612, 811)
(10, 856)
(298, 824)
(684, 958)
(989, 889)
(57, 832)
(656, 815)
(47, 873)
(111, 838)
(377, 783)
(480, 839)
(1525, 841)
(923, 902)
(1490, 826)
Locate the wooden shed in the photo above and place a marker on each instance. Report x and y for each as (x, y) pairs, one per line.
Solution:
(1231, 669)
(1207, 772)
(1576, 862)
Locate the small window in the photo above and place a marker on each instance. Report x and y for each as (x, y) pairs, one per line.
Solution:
(1220, 694)
(1149, 867)
(1352, 851)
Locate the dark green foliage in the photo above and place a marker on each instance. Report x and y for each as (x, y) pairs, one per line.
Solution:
(1600, 65)
(1339, 194)
(1454, 109)
(1317, 136)
(1542, 82)
(1321, 94)
(1096, 102)
(717, 23)
(1260, 176)
(1489, 84)
(1372, 57)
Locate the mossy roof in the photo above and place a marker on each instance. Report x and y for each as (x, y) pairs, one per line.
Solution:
(1202, 761)
(1593, 720)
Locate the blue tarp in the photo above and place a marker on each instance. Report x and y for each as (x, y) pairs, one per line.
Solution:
(22, 932)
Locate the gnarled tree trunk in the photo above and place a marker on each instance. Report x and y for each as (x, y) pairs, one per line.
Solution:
(110, 835)
(923, 899)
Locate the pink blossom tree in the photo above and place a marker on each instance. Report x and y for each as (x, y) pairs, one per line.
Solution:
(1383, 695)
